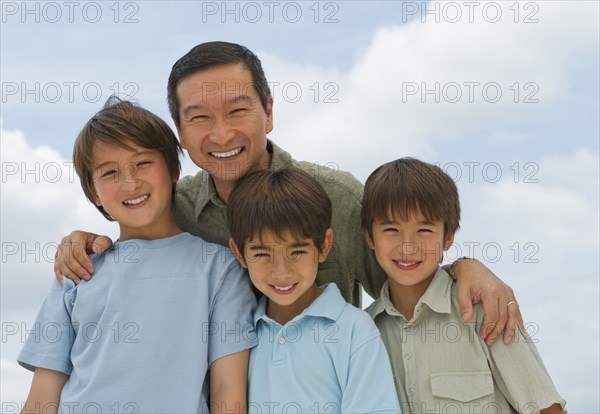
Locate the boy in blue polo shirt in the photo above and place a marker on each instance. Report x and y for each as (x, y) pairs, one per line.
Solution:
(164, 305)
(316, 353)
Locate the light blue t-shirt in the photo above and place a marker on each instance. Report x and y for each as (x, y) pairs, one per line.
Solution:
(141, 335)
(328, 359)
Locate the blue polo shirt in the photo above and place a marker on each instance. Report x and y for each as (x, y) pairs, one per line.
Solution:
(328, 359)
(141, 335)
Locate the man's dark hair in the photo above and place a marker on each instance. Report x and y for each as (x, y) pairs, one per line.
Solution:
(208, 55)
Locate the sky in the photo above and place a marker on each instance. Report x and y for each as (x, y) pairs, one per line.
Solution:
(503, 96)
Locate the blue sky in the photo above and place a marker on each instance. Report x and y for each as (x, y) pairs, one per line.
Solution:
(502, 95)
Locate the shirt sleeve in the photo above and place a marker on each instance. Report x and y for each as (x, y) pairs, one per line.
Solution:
(521, 376)
(231, 329)
(370, 385)
(51, 337)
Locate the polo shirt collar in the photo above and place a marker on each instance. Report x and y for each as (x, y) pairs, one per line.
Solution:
(330, 304)
(208, 192)
(437, 296)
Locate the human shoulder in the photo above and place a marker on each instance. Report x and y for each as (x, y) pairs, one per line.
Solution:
(189, 187)
(337, 182)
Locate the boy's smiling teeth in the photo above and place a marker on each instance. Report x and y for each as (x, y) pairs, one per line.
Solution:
(406, 264)
(227, 154)
(137, 200)
(283, 288)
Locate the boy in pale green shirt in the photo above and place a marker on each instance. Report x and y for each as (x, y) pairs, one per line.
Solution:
(410, 213)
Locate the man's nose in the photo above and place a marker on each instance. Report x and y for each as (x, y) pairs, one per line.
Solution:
(221, 132)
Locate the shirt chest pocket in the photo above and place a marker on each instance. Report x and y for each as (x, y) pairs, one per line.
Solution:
(463, 386)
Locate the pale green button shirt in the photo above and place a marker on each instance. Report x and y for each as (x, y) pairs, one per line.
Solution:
(441, 365)
(199, 211)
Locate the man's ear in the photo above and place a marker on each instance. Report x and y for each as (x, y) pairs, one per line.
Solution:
(368, 239)
(181, 141)
(269, 112)
(449, 242)
(327, 245)
(236, 252)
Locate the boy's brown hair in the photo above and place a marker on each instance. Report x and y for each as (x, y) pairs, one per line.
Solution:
(118, 123)
(407, 186)
(284, 200)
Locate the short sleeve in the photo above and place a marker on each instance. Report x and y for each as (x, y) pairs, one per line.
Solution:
(231, 329)
(51, 337)
(529, 388)
(370, 385)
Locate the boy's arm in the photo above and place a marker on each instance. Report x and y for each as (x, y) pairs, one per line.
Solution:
(229, 383)
(72, 260)
(553, 409)
(475, 283)
(44, 395)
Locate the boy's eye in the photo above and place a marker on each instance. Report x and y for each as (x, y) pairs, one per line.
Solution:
(298, 252)
(108, 173)
(425, 230)
(142, 163)
(390, 229)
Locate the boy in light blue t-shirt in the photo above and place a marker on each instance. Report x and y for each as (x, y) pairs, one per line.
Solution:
(163, 307)
(316, 353)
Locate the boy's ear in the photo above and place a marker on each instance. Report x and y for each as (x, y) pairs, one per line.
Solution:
(368, 239)
(327, 245)
(236, 252)
(449, 242)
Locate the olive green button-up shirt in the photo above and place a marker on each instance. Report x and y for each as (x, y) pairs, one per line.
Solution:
(441, 365)
(199, 211)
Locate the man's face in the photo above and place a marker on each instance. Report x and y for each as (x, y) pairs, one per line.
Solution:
(223, 125)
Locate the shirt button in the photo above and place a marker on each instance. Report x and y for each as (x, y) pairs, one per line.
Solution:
(408, 356)
(412, 389)
(281, 340)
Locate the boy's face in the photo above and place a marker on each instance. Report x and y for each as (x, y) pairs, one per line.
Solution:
(223, 125)
(134, 187)
(409, 251)
(283, 269)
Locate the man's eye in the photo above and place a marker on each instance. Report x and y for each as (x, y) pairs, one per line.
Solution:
(239, 110)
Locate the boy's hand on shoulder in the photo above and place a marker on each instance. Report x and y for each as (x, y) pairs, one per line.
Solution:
(72, 260)
(477, 284)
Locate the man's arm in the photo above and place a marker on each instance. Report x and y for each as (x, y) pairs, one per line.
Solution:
(72, 260)
(475, 283)
(44, 395)
(228, 383)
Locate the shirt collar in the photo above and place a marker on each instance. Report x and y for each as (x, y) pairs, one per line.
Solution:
(330, 304)
(208, 192)
(437, 296)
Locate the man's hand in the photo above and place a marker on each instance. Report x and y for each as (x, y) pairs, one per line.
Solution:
(475, 284)
(72, 260)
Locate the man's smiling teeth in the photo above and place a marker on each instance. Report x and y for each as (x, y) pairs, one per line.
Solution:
(283, 288)
(227, 154)
(137, 200)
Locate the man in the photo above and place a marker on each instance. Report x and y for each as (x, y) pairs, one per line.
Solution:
(222, 107)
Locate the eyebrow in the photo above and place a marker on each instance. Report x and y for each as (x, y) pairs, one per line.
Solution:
(420, 222)
(230, 101)
(266, 247)
(136, 155)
